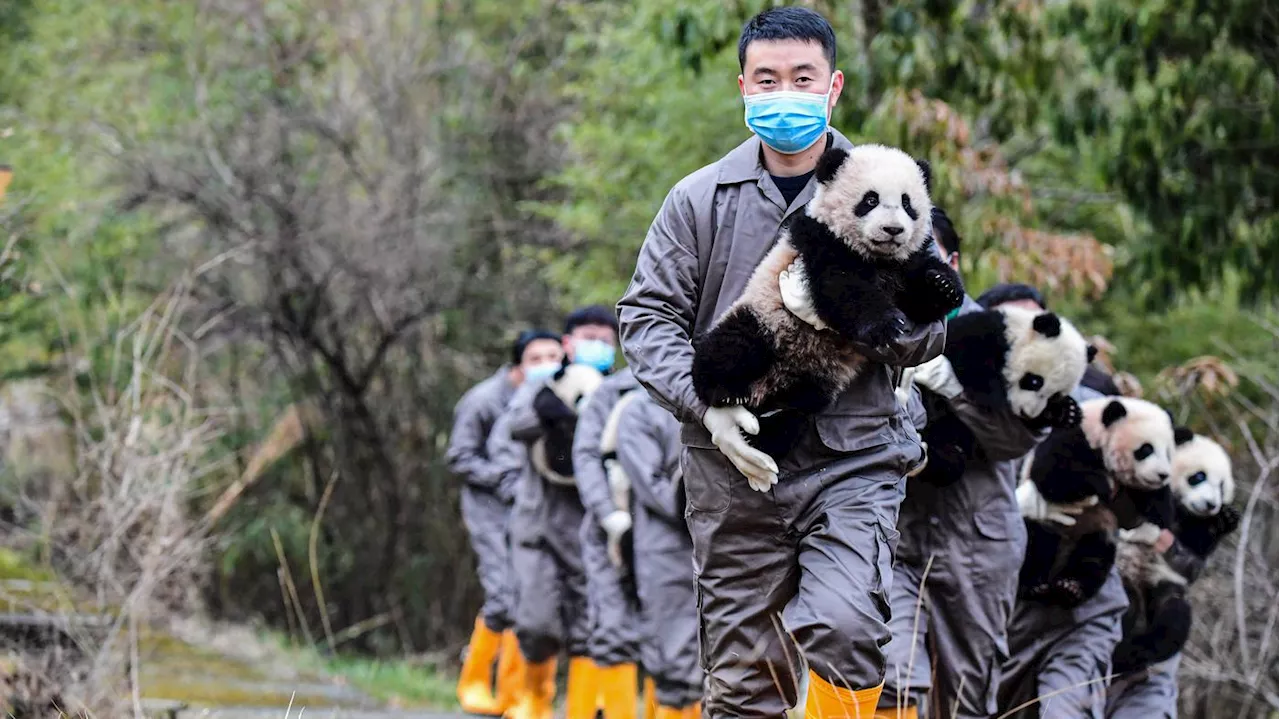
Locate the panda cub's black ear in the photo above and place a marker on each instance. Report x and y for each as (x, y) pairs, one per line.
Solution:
(829, 164)
(1091, 353)
(1182, 435)
(1047, 324)
(927, 170)
(1114, 412)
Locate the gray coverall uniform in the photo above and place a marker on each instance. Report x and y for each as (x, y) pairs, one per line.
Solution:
(949, 643)
(649, 451)
(486, 498)
(1062, 657)
(615, 635)
(546, 554)
(810, 561)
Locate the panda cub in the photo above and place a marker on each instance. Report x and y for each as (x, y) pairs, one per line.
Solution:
(863, 242)
(1158, 620)
(1007, 357)
(1121, 443)
(556, 406)
(1203, 487)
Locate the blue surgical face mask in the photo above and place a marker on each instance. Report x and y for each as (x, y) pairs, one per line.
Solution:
(541, 371)
(786, 120)
(594, 353)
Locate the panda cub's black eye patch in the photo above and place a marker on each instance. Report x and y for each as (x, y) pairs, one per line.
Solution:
(1197, 478)
(868, 203)
(1143, 452)
(907, 208)
(1031, 382)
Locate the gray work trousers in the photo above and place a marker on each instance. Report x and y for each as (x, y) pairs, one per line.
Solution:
(805, 565)
(1151, 693)
(949, 641)
(614, 624)
(551, 589)
(485, 516)
(1060, 659)
(670, 611)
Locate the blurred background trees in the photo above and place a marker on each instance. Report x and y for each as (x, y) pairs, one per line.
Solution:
(373, 197)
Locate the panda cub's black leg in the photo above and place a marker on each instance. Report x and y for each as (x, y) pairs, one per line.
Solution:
(949, 442)
(930, 289)
(1086, 570)
(1168, 627)
(730, 357)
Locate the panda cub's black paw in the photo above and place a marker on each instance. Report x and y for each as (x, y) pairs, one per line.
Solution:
(883, 330)
(1061, 412)
(1226, 522)
(948, 293)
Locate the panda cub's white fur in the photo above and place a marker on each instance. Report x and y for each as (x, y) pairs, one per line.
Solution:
(1202, 480)
(888, 231)
(1138, 448)
(1058, 361)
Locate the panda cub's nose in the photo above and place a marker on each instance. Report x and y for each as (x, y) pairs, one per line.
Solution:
(894, 230)
(1163, 476)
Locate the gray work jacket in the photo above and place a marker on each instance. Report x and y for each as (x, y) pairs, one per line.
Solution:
(714, 227)
(473, 421)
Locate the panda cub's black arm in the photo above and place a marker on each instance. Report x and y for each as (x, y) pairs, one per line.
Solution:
(1202, 535)
(930, 288)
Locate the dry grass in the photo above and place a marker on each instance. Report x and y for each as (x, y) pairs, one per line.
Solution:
(117, 528)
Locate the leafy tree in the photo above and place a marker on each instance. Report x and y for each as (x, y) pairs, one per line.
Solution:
(1181, 102)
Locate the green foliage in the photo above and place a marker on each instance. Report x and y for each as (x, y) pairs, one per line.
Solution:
(1182, 101)
(71, 73)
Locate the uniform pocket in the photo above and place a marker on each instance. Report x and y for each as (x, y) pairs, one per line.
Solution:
(886, 539)
(994, 525)
(846, 433)
(707, 474)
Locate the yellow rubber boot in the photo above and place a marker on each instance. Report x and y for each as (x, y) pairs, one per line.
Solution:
(475, 691)
(650, 698)
(536, 692)
(582, 690)
(827, 701)
(510, 670)
(908, 712)
(618, 688)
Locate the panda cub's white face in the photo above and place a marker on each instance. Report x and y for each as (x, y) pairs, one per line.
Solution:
(1047, 356)
(1135, 438)
(876, 200)
(1202, 479)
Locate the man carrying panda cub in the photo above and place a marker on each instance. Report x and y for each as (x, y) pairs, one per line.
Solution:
(793, 551)
(1001, 382)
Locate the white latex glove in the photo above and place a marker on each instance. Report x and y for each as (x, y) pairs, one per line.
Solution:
(1146, 533)
(794, 287)
(727, 425)
(616, 525)
(938, 376)
(1034, 506)
(619, 484)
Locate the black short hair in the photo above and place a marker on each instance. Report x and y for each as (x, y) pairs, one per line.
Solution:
(944, 233)
(1011, 292)
(527, 338)
(591, 315)
(788, 23)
